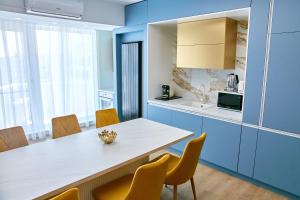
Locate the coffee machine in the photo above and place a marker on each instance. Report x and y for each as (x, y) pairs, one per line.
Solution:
(166, 91)
(232, 82)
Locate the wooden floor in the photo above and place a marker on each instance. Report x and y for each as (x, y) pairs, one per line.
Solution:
(212, 184)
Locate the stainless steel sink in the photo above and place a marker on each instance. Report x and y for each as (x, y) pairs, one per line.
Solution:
(195, 104)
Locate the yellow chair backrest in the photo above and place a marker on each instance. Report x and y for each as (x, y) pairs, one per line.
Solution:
(71, 194)
(106, 117)
(186, 167)
(148, 180)
(11, 138)
(65, 125)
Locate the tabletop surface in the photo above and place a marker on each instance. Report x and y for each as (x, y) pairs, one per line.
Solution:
(55, 165)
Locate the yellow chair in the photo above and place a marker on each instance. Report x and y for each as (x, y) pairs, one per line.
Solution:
(180, 170)
(71, 194)
(106, 117)
(11, 138)
(146, 184)
(65, 125)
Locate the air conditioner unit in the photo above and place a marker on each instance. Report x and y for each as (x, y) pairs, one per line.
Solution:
(70, 9)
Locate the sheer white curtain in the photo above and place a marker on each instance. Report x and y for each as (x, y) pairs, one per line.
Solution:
(16, 88)
(46, 71)
(67, 60)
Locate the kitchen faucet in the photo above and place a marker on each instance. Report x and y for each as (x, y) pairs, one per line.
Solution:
(203, 97)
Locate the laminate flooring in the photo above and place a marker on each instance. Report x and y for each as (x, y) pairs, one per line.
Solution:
(212, 184)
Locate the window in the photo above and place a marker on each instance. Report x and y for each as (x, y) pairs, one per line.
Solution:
(46, 71)
(14, 96)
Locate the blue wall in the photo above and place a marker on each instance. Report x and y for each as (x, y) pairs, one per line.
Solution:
(136, 14)
(136, 33)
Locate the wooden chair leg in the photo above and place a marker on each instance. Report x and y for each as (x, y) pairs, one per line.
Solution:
(193, 188)
(175, 192)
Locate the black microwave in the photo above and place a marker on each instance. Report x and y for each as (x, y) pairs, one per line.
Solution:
(230, 100)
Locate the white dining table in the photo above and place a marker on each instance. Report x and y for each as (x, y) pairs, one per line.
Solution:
(47, 168)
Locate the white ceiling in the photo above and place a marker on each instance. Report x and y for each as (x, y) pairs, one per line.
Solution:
(124, 2)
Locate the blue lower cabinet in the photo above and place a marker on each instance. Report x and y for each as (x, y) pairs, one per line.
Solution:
(222, 143)
(247, 151)
(188, 122)
(277, 161)
(159, 114)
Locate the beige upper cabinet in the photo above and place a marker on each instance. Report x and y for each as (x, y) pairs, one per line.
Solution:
(207, 44)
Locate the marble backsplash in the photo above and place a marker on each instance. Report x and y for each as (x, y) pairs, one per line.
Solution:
(203, 84)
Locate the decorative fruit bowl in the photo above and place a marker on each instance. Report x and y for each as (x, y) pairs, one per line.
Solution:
(107, 137)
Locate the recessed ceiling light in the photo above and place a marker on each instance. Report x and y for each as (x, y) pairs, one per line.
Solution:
(18, 18)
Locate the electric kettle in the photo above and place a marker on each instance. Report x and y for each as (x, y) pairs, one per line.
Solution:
(232, 82)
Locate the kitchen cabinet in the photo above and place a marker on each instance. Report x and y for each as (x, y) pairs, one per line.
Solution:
(282, 108)
(208, 44)
(159, 114)
(222, 143)
(211, 55)
(256, 60)
(277, 161)
(159, 10)
(136, 14)
(286, 16)
(201, 32)
(247, 151)
(188, 122)
(177, 119)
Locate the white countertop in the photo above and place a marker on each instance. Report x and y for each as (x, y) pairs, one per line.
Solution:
(208, 110)
(44, 169)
